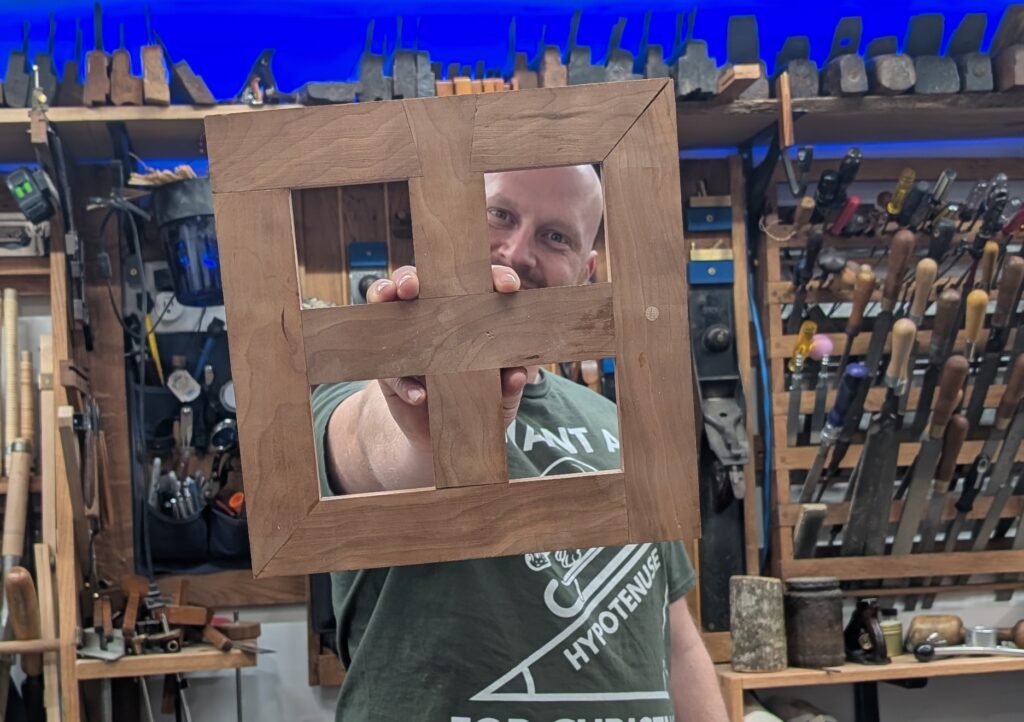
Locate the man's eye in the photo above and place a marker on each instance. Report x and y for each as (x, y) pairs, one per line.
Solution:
(557, 237)
(499, 213)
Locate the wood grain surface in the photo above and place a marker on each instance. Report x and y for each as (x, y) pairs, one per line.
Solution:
(459, 333)
(653, 378)
(261, 298)
(548, 127)
(426, 525)
(310, 147)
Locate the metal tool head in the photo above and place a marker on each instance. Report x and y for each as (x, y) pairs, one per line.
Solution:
(846, 38)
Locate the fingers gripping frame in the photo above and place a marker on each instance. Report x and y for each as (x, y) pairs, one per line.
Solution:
(443, 146)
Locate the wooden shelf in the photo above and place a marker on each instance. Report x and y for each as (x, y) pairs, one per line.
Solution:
(172, 132)
(733, 684)
(857, 120)
(193, 658)
(177, 130)
(27, 274)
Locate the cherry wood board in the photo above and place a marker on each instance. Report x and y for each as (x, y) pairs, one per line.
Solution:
(459, 332)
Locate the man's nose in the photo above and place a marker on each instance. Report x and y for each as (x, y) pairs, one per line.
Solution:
(514, 249)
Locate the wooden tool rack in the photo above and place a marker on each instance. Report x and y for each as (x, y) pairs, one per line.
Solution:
(792, 462)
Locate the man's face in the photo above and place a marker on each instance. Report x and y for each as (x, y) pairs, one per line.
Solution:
(543, 222)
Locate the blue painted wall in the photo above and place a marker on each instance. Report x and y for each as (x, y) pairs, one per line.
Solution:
(321, 40)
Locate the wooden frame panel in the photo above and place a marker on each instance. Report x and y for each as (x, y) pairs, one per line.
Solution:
(463, 330)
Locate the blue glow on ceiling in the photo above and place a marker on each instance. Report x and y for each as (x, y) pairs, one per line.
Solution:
(321, 40)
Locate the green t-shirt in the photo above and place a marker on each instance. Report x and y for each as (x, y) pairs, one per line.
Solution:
(577, 635)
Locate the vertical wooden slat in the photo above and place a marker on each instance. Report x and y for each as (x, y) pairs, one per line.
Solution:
(741, 309)
(261, 298)
(450, 239)
(647, 257)
(319, 246)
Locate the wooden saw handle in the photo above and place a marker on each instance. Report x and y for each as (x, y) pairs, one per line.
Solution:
(24, 610)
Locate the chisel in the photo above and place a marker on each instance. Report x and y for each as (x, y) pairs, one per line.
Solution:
(848, 169)
(1001, 484)
(999, 331)
(821, 350)
(916, 198)
(956, 432)
(803, 272)
(796, 368)
(853, 379)
(943, 230)
(987, 266)
(863, 287)
(899, 256)
(954, 372)
(974, 321)
(941, 189)
(872, 482)
(943, 335)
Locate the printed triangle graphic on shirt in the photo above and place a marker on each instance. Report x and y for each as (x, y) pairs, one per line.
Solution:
(509, 687)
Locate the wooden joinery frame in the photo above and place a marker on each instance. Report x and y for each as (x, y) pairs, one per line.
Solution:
(460, 331)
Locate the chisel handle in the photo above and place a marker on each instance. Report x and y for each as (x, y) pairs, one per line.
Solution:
(855, 375)
(924, 279)
(917, 195)
(803, 345)
(946, 312)
(899, 256)
(974, 317)
(899, 195)
(16, 505)
(863, 287)
(954, 374)
(943, 231)
(1012, 395)
(24, 615)
(1009, 285)
(903, 332)
(987, 265)
(802, 215)
(956, 432)
(27, 423)
(845, 215)
(217, 638)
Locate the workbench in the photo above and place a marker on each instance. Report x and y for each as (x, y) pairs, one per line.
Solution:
(734, 684)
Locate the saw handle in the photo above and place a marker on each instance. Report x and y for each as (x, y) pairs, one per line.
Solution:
(903, 332)
(1012, 394)
(1009, 285)
(956, 432)
(863, 287)
(924, 279)
(974, 317)
(24, 615)
(16, 506)
(899, 256)
(954, 374)
(987, 265)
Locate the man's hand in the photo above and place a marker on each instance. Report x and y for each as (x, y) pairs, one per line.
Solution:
(407, 396)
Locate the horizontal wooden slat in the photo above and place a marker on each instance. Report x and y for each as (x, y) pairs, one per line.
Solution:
(428, 525)
(875, 397)
(194, 658)
(467, 333)
(906, 565)
(903, 666)
(803, 457)
(787, 514)
(299, 147)
(549, 127)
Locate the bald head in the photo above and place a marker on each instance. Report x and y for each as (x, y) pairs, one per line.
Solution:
(543, 223)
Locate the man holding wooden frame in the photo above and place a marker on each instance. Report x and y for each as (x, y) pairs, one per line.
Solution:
(571, 634)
